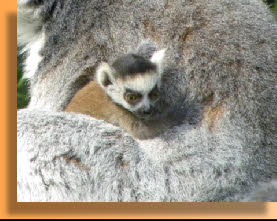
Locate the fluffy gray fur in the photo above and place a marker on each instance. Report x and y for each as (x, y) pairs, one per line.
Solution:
(221, 55)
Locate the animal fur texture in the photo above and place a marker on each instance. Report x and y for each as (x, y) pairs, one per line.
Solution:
(93, 101)
(105, 98)
(221, 60)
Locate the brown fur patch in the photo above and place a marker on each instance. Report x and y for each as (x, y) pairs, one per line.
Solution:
(77, 162)
(151, 31)
(212, 116)
(188, 35)
(121, 162)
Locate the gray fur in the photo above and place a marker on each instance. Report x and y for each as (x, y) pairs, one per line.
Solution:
(222, 56)
(265, 192)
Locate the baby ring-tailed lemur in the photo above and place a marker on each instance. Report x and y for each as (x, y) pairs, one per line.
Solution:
(126, 94)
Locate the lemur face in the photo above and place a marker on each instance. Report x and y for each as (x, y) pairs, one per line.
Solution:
(134, 83)
(139, 94)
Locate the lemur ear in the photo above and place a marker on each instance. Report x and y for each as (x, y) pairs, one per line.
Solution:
(158, 59)
(104, 75)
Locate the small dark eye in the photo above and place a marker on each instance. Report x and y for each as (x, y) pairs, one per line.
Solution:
(154, 95)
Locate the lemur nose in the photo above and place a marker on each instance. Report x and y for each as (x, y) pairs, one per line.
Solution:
(147, 112)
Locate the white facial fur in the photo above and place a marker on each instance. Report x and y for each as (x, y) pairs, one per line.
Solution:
(142, 83)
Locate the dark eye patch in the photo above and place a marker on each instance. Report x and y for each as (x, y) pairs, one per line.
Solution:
(132, 64)
(132, 97)
(128, 90)
(155, 93)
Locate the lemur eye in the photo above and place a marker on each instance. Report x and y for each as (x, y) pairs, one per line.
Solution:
(154, 95)
(132, 98)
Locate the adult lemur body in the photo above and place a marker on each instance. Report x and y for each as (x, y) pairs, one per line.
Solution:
(224, 56)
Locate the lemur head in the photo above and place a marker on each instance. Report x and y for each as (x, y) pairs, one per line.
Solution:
(133, 82)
